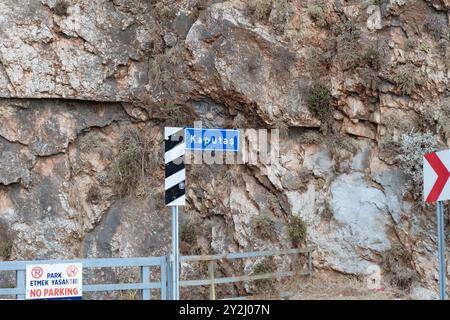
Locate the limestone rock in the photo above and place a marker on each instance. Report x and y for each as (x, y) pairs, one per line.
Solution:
(15, 163)
(361, 129)
(85, 63)
(319, 161)
(46, 132)
(230, 56)
(364, 228)
(374, 20)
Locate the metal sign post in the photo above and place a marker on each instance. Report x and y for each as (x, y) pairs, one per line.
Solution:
(174, 186)
(175, 254)
(176, 142)
(441, 249)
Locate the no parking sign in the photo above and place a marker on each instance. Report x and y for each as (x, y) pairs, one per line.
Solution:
(54, 281)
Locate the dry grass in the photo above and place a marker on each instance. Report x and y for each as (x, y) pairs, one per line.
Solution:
(264, 226)
(348, 45)
(95, 142)
(135, 161)
(406, 79)
(334, 286)
(397, 262)
(187, 233)
(129, 295)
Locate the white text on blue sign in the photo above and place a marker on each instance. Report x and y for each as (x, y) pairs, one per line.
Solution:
(202, 139)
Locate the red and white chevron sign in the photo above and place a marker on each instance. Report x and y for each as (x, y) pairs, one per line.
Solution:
(436, 186)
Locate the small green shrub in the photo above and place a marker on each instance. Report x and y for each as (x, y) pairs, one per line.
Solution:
(283, 11)
(265, 226)
(312, 137)
(61, 7)
(259, 9)
(320, 104)
(265, 286)
(187, 234)
(6, 249)
(405, 78)
(262, 267)
(397, 262)
(297, 230)
(318, 14)
(166, 13)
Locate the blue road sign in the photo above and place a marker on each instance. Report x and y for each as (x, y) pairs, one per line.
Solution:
(204, 139)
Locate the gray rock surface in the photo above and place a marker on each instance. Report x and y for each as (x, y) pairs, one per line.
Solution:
(73, 84)
(94, 52)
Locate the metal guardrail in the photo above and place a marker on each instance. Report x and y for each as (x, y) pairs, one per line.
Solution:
(144, 264)
(164, 264)
(212, 281)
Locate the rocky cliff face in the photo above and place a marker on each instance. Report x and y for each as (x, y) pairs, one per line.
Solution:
(87, 86)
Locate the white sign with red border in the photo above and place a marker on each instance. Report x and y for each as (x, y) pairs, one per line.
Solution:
(436, 174)
(54, 281)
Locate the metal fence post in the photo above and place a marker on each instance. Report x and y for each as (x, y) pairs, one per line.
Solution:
(309, 263)
(163, 268)
(145, 279)
(212, 289)
(20, 283)
(169, 277)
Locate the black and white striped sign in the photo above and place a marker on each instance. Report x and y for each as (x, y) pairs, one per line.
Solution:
(174, 184)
